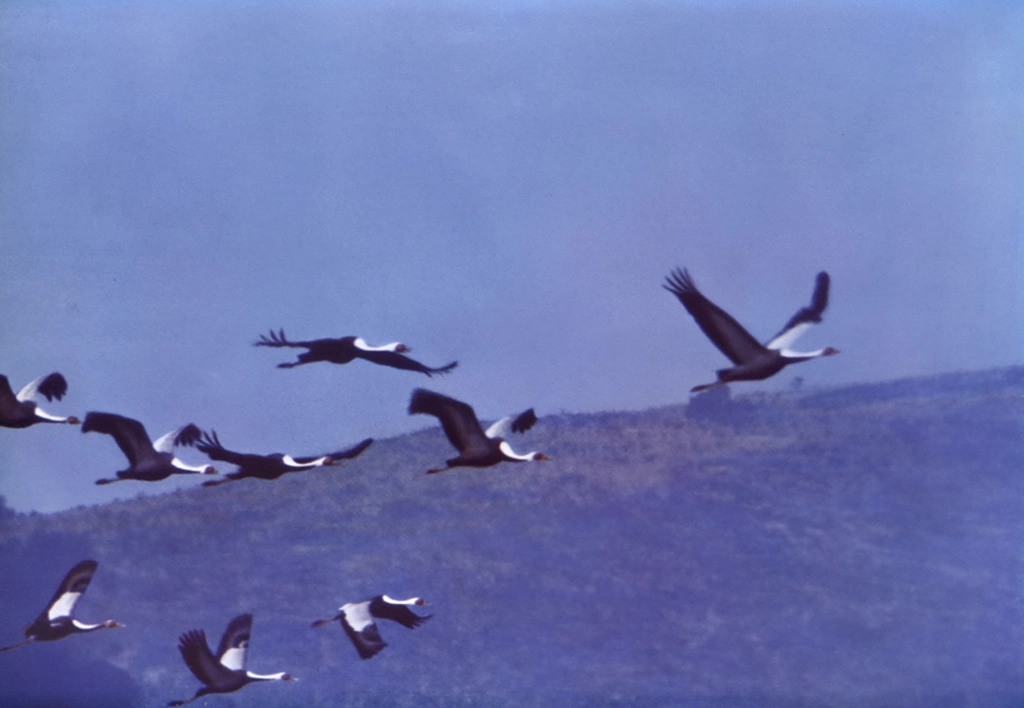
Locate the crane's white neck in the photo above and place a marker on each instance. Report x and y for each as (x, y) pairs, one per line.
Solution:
(290, 462)
(83, 627)
(189, 469)
(40, 413)
(361, 344)
(267, 677)
(801, 356)
(511, 454)
(410, 601)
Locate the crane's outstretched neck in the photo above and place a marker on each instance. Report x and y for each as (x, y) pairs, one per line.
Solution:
(792, 355)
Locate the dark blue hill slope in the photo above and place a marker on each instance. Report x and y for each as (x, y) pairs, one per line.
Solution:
(851, 547)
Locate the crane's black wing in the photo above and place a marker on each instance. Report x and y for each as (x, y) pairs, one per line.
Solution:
(458, 420)
(348, 454)
(524, 421)
(805, 316)
(201, 662)
(210, 446)
(129, 434)
(52, 386)
(278, 339)
(234, 644)
(367, 641)
(509, 424)
(186, 435)
(70, 590)
(400, 361)
(724, 332)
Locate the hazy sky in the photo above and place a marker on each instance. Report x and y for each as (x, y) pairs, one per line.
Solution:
(506, 184)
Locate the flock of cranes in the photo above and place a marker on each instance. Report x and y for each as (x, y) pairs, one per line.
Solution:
(149, 461)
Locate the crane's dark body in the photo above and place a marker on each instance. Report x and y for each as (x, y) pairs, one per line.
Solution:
(46, 630)
(336, 351)
(271, 466)
(344, 350)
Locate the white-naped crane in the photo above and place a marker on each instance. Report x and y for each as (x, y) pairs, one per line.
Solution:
(477, 447)
(753, 361)
(269, 466)
(345, 349)
(224, 672)
(56, 621)
(357, 618)
(148, 461)
(20, 410)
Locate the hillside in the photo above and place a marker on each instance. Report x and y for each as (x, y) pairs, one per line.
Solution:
(856, 547)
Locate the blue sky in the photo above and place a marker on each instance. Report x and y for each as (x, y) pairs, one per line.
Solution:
(505, 185)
